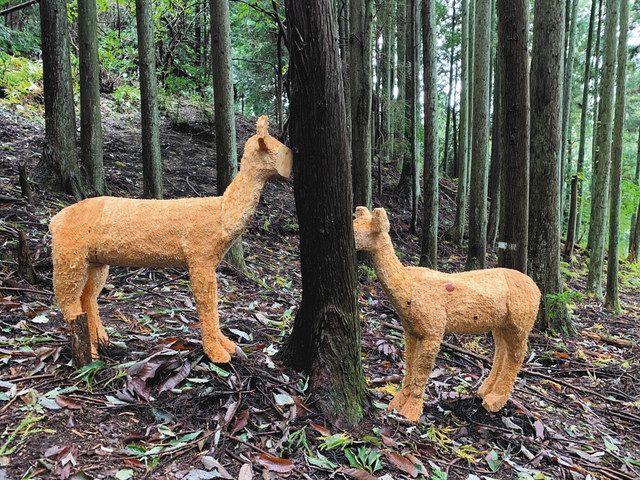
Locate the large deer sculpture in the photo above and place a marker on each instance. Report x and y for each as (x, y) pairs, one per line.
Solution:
(430, 304)
(195, 233)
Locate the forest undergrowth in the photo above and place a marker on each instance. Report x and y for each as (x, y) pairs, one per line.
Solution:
(153, 406)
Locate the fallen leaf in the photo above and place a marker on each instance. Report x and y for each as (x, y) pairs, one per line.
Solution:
(67, 402)
(402, 463)
(358, 474)
(324, 431)
(246, 472)
(241, 421)
(275, 464)
(176, 378)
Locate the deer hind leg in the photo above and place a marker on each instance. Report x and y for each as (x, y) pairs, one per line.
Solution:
(96, 278)
(516, 351)
(205, 291)
(500, 346)
(425, 353)
(69, 279)
(409, 351)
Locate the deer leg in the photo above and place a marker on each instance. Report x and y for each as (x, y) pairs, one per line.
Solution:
(96, 278)
(516, 351)
(426, 350)
(500, 346)
(69, 278)
(205, 291)
(409, 350)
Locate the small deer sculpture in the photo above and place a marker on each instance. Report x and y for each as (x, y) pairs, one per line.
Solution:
(430, 304)
(195, 233)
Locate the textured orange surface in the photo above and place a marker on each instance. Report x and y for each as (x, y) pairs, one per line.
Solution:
(195, 233)
(430, 304)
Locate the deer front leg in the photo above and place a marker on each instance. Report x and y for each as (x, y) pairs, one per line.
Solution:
(205, 292)
(426, 350)
(409, 351)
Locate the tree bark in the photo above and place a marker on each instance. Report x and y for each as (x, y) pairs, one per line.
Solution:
(445, 153)
(513, 27)
(546, 146)
(634, 233)
(479, 138)
(151, 159)
(225, 118)
(400, 116)
(495, 175)
(463, 133)
(59, 158)
(574, 216)
(90, 118)
(325, 341)
(602, 159)
(386, 19)
(429, 252)
(612, 298)
(360, 24)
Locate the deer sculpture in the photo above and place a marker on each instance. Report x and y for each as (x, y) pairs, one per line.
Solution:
(430, 304)
(195, 233)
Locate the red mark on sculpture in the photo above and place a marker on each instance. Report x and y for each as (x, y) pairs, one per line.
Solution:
(450, 287)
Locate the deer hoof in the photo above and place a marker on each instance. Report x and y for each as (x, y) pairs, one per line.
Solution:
(493, 402)
(412, 409)
(397, 402)
(227, 344)
(217, 354)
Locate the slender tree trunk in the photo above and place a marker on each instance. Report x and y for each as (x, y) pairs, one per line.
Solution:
(445, 153)
(429, 252)
(197, 41)
(571, 222)
(90, 118)
(479, 138)
(574, 215)
(414, 120)
(225, 118)
(360, 23)
(463, 134)
(546, 147)
(343, 29)
(279, 83)
(400, 116)
(602, 159)
(567, 92)
(59, 158)
(325, 341)
(634, 233)
(494, 187)
(151, 159)
(513, 27)
(612, 298)
(386, 79)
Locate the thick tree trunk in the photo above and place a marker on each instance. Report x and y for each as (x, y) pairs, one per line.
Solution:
(429, 252)
(151, 159)
(602, 159)
(90, 118)
(574, 216)
(479, 138)
(360, 23)
(546, 146)
(225, 118)
(612, 298)
(463, 132)
(325, 341)
(59, 157)
(513, 27)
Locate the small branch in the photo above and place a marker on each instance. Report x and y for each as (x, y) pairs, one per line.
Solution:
(15, 8)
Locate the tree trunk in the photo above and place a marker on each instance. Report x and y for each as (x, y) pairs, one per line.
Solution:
(571, 222)
(325, 341)
(90, 118)
(479, 138)
(572, 235)
(59, 158)
(445, 153)
(151, 160)
(634, 233)
(414, 111)
(386, 20)
(461, 194)
(399, 111)
(565, 165)
(225, 118)
(612, 298)
(343, 29)
(602, 159)
(546, 146)
(429, 253)
(513, 27)
(360, 23)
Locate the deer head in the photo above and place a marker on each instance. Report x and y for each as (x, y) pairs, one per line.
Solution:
(266, 154)
(370, 229)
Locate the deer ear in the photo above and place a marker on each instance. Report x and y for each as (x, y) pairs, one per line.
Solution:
(262, 126)
(263, 144)
(380, 220)
(362, 212)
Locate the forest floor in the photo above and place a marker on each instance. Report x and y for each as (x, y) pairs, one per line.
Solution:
(155, 407)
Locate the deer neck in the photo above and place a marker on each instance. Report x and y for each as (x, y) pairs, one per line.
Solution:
(392, 274)
(240, 200)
